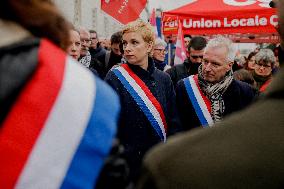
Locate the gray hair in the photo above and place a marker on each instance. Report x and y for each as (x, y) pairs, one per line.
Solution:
(221, 41)
(160, 42)
(266, 56)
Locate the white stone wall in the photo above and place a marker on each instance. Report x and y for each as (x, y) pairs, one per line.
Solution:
(91, 16)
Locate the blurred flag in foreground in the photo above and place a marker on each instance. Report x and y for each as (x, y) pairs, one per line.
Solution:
(180, 54)
(123, 11)
(153, 22)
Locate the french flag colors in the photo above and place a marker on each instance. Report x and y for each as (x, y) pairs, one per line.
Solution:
(200, 102)
(53, 137)
(144, 98)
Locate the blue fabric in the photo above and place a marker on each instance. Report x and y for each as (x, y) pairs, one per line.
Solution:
(140, 103)
(96, 142)
(194, 102)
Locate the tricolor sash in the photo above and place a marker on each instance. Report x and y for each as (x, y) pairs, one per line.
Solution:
(48, 139)
(200, 102)
(144, 99)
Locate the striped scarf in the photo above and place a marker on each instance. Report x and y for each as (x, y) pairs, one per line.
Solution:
(215, 92)
(86, 60)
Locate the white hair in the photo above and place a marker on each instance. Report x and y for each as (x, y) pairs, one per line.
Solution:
(265, 55)
(221, 41)
(160, 42)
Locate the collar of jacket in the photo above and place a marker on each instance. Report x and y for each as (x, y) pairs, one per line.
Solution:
(11, 32)
(92, 50)
(187, 63)
(276, 87)
(140, 71)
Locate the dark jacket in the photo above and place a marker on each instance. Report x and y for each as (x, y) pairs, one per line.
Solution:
(135, 131)
(96, 64)
(183, 70)
(99, 51)
(236, 97)
(108, 60)
(243, 151)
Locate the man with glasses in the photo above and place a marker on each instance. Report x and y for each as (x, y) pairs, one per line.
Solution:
(85, 56)
(159, 55)
(243, 151)
(191, 64)
(212, 93)
(95, 49)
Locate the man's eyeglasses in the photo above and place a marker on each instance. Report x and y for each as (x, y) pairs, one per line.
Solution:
(195, 56)
(86, 40)
(161, 51)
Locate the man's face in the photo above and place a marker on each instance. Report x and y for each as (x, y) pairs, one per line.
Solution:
(75, 44)
(86, 42)
(215, 64)
(94, 40)
(186, 42)
(115, 49)
(196, 56)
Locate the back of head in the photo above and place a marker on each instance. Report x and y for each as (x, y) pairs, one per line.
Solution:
(40, 17)
(223, 42)
(116, 38)
(245, 76)
(197, 43)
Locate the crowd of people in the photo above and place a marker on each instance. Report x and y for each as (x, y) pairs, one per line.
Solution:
(77, 113)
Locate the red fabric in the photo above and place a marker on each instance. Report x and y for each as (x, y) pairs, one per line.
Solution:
(147, 92)
(205, 98)
(123, 10)
(265, 85)
(225, 17)
(26, 119)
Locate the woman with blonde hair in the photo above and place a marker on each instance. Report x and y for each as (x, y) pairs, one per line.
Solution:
(148, 113)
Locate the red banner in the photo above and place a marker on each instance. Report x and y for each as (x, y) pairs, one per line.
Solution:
(123, 11)
(221, 17)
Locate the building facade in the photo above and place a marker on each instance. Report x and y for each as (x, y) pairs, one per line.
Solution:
(87, 13)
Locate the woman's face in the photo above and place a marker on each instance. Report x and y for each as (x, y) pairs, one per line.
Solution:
(251, 63)
(262, 69)
(159, 53)
(136, 50)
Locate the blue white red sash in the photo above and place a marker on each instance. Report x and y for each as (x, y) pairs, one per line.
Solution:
(200, 102)
(144, 98)
(48, 142)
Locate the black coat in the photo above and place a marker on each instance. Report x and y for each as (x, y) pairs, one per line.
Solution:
(135, 131)
(245, 150)
(236, 97)
(183, 70)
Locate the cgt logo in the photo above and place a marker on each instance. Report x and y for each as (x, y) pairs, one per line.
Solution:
(261, 3)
